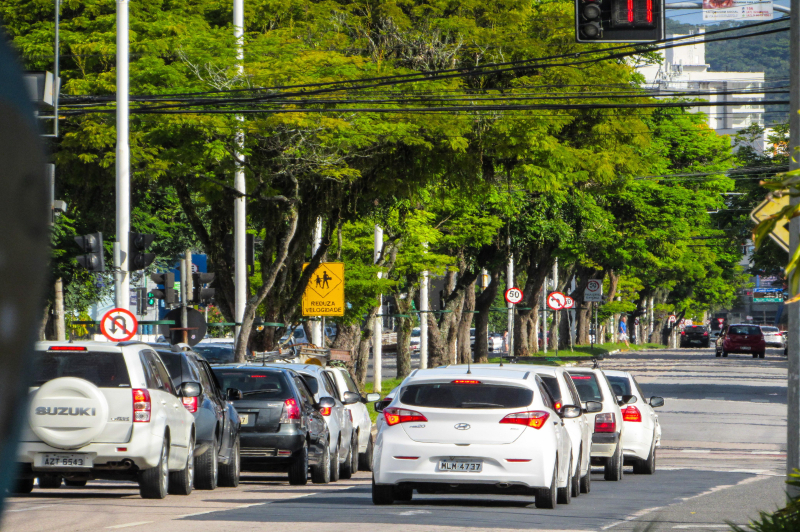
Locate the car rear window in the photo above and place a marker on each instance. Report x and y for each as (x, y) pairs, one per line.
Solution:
(695, 328)
(216, 354)
(620, 385)
(448, 395)
(104, 370)
(770, 329)
(588, 387)
(260, 384)
(744, 329)
(552, 387)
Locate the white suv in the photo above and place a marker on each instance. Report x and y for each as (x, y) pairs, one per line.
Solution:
(106, 411)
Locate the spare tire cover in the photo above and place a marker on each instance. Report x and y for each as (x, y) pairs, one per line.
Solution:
(68, 412)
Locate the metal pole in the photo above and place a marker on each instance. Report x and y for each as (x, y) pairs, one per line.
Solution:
(510, 284)
(423, 321)
(316, 329)
(793, 392)
(122, 286)
(56, 71)
(544, 316)
(239, 206)
(377, 346)
(556, 314)
(184, 300)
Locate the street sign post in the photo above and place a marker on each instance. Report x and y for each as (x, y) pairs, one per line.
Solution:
(770, 207)
(119, 325)
(324, 295)
(513, 295)
(556, 300)
(594, 291)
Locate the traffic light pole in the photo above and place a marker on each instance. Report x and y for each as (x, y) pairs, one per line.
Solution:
(122, 280)
(239, 213)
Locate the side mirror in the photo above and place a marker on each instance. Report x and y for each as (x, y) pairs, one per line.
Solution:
(570, 411)
(191, 389)
(372, 397)
(380, 405)
(326, 402)
(592, 407)
(351, 398)
(233, 394)
(655, 402)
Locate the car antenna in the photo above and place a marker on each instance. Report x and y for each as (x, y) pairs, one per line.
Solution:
(469, 364)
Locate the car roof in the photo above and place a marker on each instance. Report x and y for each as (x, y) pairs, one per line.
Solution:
(246, 367)
(109, 347)
(460, 372)
(616, 373)
(300, 368)
(549, 370)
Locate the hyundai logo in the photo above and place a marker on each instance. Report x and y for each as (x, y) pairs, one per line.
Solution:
(462, 426)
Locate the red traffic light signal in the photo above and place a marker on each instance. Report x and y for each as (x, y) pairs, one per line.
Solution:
(625, 21)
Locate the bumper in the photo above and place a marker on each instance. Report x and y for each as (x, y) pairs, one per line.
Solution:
(637, 441)
(604, 445)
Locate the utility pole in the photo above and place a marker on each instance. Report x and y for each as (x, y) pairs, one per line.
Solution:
(510, 284)
(185, 273)
(544, 316)
(377, 346)
(239, 212)
(423, 321)
(316, 326)
(556, 314)
(122, 283)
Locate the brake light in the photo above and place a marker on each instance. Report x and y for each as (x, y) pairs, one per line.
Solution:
(190, 403)
(465, 382)
(394, 415)
(683, 333)
(141, 406)
(705, 333)
(67, 348)
(580, 377)
(631, 413)
(605, 422)
(529, 419)
(351, 415)
(290, 412)
(325, 411)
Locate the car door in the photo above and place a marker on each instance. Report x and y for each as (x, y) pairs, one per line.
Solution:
(217, 395)
(586, 428)
(648, 412)
(562, 438)
(312, 418)
(213, 396)
(175, 412)
(345, 426)
(360, 412)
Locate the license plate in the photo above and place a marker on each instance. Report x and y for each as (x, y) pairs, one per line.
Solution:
(458, 466)
(65, 460)
(695, 341)
(244, 419)
(745, 348)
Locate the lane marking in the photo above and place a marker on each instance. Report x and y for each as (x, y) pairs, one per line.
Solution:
(241, 506)
(126, 525)
(35, 507)
(636, 515)
(695, 450)
(692, 527)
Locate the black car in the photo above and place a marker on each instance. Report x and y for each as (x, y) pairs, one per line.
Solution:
(217, 458)
(282, 427)
(216, 353)
(695, 335)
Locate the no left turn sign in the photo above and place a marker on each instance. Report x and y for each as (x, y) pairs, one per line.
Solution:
(119, 325)
(513, 295)
(556, 300)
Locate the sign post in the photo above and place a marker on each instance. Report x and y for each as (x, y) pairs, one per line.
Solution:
(513, 296)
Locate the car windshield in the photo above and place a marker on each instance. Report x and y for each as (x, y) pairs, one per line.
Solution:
(104, 370)
(744, 329)
(449, 395)
(261, 383)
(552, 387)
(588, 387)
(620, 385)
(415, 333)
(216, 354)
(770, 329)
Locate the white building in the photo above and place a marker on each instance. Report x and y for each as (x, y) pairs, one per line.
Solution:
(685, 69)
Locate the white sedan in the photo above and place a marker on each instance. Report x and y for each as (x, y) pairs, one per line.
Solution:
(642, 429)
(490, 429)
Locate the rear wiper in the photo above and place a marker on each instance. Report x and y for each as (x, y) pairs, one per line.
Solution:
(256, 391)
(477, 405)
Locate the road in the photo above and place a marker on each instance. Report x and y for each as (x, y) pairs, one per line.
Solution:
(722, 458)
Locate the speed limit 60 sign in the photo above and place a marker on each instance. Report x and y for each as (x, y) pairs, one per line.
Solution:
(513, 295)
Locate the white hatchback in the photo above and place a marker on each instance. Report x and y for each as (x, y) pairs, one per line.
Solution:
(490, 429)
(362, 424)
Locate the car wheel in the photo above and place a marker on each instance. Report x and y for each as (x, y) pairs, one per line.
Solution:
(403, 494)
(382, 495)
(229, 473)
(613, 469)
(75, 483)
(346, 469)
(546, 497)
(565, 493)
(725, 354)
(718, 354)
(335, 465)
(321, 473)
(576, 479)
(181, 482)
(207, 468)
(755, 355)
(23, 485)
(154, 482)
(50, 482)
(586, 482)
(762, 354)
(365, 458)
(298, 471)
(354, 455)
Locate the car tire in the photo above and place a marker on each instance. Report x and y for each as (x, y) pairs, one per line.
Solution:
(154, 482)
(298, 470)
(321, 473)
(613, 469)
(229, 473)
(403, 494)
(755, 355)
(564, 495)
(365, 458)
(335, 464)
(346, 469)
(354, 455)
(75, 483)
(50, 482)
(648, 467)
(762, 354)
(576, 479)
(546, 497)
(207, 468)
(706, 345)
(182, 482)
(22, 486)
(718, 353)
(382, 495)
(725, 354)
(586, 482)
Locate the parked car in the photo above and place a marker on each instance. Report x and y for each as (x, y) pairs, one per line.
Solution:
(416, 339)
(773, 336)
(216, 352)
(495, 342)
(741, 338)
(608, 429)
(126, 420)
(695, 335)
(359, 415)
(486, 430)
(217, 460)
(282, 426)
(340, 426)
(642, 428)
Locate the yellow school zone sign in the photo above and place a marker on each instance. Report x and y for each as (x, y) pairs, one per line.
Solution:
(324, 295)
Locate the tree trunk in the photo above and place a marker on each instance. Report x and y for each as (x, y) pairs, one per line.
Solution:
(483, 304)
(540, 265)
(465, 324)
(405, 325)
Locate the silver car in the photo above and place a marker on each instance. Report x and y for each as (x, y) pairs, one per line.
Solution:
(773, 336)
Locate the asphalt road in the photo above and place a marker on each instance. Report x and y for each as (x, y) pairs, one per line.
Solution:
(722, 458)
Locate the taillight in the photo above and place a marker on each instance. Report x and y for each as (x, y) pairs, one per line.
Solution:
(529, 419)
(325, 411)
(705, 333)
(631, 413)
(66, 348)
(393, 416)
(605, 422)
(351, 415)
(190, 403)
(290, 412)
(464, 381)
(141, 406)
(683, 333)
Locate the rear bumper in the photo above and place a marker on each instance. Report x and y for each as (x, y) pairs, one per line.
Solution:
(604, 444)
(267, 451)
(637, 441)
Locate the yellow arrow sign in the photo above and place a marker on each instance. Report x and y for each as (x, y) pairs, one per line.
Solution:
(324, 295)
(770, 207)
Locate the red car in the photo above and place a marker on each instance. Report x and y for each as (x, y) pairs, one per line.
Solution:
(741, 338)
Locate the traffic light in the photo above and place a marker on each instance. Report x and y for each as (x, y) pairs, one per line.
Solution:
(200, 294)
(141, 301)
(619, 20)
(92, 246)
(168, 293)
(137, 245)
